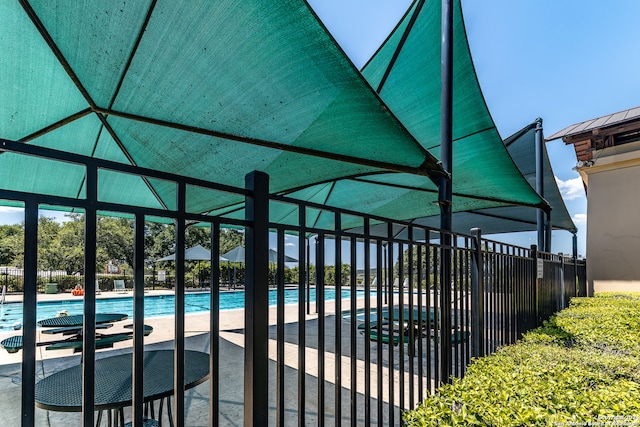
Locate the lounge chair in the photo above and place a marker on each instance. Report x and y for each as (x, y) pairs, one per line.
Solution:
(118, 286)
(98, 290)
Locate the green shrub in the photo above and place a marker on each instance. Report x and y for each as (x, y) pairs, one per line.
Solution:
(580, 367)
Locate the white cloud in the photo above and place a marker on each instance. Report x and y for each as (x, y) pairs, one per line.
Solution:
(571, 189)
(290, 244)
(580, 218)
(8, 209)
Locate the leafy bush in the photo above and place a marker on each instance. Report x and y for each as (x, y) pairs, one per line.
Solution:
(580, 367)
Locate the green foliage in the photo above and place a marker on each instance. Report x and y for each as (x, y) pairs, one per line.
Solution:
(11, 237)
(330, 274)
(114, 240)
(582, 366)
(230, 239)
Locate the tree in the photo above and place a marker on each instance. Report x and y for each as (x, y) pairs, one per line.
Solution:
(425, 264)
(230, 238)
(115, 240)
(69, 245)
(11, 242)
(49, 250)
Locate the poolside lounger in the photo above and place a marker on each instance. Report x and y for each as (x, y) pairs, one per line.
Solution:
(118, 286)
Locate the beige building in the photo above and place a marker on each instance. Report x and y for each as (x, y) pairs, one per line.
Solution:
(608, 160)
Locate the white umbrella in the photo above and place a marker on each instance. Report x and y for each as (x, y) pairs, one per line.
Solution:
(238, 255)
(196, 253)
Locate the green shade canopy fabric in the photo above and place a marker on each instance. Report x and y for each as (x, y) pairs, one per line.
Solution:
(211, 90)
(507, 219)
(406, 73)
(406, 70)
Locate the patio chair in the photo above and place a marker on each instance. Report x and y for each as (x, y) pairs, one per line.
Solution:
(98, 290)
(118, 286)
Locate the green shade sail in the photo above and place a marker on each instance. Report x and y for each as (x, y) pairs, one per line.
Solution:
(186, 88)
(406, 72)
(507, 219)
(210, 90)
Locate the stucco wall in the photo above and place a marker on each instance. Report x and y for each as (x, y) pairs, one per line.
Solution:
(613, 229)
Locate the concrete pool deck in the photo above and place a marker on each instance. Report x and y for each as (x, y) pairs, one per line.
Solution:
(231, 366)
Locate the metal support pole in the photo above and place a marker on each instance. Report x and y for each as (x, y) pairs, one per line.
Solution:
(304, 272)
(445, 189)
(89, 326)
(547, 232)
(178, 354)
(320, 309)
(386, 275)
(308, 276)
(138, 321)
(540, 214)
(214, 326)
(256, 361)
(477, 294)
(29, 313)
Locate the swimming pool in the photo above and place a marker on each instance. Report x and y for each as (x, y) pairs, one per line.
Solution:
(154, 305)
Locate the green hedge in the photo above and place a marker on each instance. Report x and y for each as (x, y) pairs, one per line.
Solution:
(581, 367)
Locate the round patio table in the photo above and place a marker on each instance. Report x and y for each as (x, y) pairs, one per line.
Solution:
(62, 391)
(77, 319)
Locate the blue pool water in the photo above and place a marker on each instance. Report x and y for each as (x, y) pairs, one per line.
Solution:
(154, 306)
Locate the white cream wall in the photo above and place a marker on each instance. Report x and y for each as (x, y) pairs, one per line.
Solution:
(613, 224)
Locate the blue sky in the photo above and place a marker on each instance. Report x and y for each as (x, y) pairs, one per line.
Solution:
(565, 61)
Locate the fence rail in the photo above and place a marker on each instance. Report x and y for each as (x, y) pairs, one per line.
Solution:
(359, 359)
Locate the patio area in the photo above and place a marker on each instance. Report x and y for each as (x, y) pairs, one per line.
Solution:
(231, 380)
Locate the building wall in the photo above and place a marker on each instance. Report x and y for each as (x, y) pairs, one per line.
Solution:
(613, 223)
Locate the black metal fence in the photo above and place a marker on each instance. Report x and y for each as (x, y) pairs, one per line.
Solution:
(360, 357)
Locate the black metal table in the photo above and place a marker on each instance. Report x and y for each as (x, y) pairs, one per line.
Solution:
(62, 391)
(78, 319)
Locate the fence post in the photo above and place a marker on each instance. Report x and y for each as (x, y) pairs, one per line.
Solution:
(528, 318)
(256, 361)
(534, 304)
(477, 294)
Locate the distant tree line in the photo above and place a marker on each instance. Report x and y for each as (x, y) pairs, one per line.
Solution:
(61, 244)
